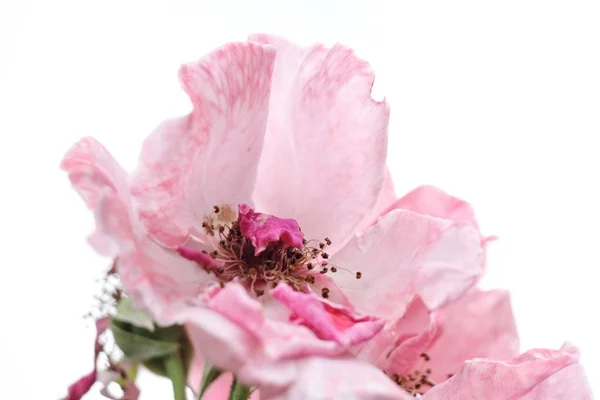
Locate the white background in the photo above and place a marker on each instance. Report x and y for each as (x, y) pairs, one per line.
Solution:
(496, 102)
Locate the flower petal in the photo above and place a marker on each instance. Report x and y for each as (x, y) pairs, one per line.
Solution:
(93, 171)
(535, 375)
(326, 142)
(348, 379)
(328, 320)
(210, 156)
(158, 279)
(479, 324)
(232, 333)
(430, 200)
(407, 254)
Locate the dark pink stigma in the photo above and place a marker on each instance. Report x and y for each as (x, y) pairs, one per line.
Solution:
(263, 229)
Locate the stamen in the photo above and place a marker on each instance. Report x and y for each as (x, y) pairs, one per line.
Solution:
(236, 256)
(416, 383)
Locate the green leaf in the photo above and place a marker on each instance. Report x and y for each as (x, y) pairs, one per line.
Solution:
(139, 345)
(127, 313)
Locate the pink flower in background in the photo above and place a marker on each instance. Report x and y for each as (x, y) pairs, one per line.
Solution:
(266, 222)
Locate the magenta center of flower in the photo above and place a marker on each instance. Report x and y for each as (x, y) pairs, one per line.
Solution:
(261, 250)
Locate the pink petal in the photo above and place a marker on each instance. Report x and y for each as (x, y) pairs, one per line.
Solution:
(209, 157)
(415, 333)
(477, 325)
(328, 320)
(535, 375)
(92, 172)
(385, 202)
(324, 157)
(199, 257)
(158, 280)
(263, 229)
(348, 379)
(404, 255)
(92, 169)
(430, 200)
(232, 333)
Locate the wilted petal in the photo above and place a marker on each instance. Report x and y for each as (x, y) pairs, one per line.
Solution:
(328, 320)
(263, 229)
(348, 379)
(210, 156)
(324, 156)
(535, 375)
(407, 254)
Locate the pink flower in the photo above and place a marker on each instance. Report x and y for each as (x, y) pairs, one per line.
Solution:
(332, 274)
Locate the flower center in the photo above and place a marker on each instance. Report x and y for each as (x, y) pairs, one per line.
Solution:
(261, 250)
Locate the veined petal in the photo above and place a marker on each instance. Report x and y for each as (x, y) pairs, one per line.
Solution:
(209, 157)
(535, 375)
(407, 254)
(326, 143)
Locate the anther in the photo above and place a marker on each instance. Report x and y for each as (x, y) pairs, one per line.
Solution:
(321, 245)
(333, 269)
(325, 255)
(328, 241)
(309, 266)
(358, 275)
(217, 209)
(323, 271)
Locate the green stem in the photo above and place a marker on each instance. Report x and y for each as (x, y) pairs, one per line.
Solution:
(175, 372)
(239, 391)
(209, 376)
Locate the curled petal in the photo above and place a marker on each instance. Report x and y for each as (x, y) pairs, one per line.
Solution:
(535, 375)
(328, 320)
(326, 141)
(263, 229)
(210, 156)
(406, 255)
(200, 257)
